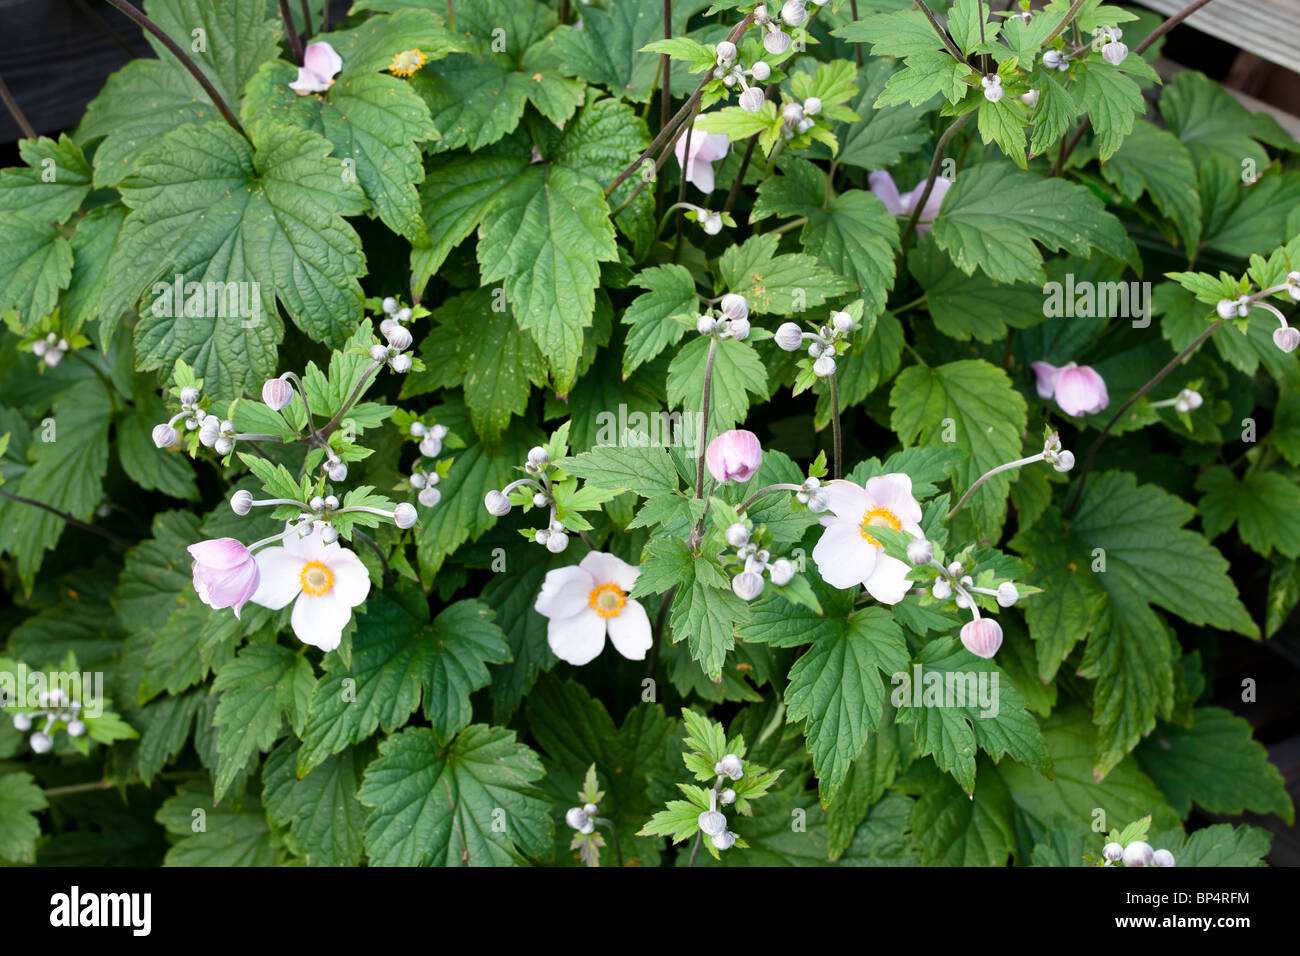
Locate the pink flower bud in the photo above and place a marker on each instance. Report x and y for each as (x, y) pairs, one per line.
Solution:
(983, 637)
(225, 574)
(1078, 389)
(1287, 339)
(734, 456)
(277, 394)
(789, 336)
(164, 436)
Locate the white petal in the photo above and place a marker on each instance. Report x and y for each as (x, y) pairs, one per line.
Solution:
(630, 631)
(844, 558)
(281, 577)
(888, 582)
(319, 620)
(895, 493)
(351, 579)
(847, 499)
(576, 639)
(606, 569)
(564, 593)
(310, 548)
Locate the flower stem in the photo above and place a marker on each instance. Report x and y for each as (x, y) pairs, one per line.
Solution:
(306, 16)
(665, 87)
(1155, 380)
(19, 117)
(328, 428)
(989, 474)
(294, 41)
(765, 490)
(1065, 22)
(935, 163)
(835, 424)
(146, 24)
(704, 415)
(75, 522)
(943, 34)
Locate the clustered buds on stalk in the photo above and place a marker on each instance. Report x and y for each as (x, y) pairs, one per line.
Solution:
(812, 494)
(537, 488)
(712, 822)
(824, 345)
(424, 476)
(711, 222)
(992, 87)
(1137, 853)
(753, 559)
(982, 636)
(1059, 458)
(1286, 337)
(50, 349)
(1056, 60)
(397, 316)
(1112, 50)
(729, 321)
(164, 434)
(55, 708)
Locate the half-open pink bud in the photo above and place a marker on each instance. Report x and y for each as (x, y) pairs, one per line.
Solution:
(225, 573)
(982, 637)
(734, 455)
(277, 393)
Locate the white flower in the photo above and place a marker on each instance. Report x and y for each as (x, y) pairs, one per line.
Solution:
(584, 602)
(326, 581)
(847, 555)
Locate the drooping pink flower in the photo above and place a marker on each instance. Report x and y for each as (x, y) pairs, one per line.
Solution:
(320, 64)
(706, 149)
(882, 185)
(225, 574)
(734, 456)
(1078, 389)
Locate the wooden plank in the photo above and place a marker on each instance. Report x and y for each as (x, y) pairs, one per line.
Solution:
(1267, 28)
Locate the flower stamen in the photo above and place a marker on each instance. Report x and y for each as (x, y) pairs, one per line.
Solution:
(316, 579)
(407, 62)
(878, 517)
(607, 600)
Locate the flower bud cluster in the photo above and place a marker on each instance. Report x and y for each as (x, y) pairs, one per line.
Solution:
(729, 321)
(752, 559)
(713, 823)
(397, 335)
(55, 709)
(50, 349)
(424, 474)
(955, 581)
(164, 434)
(537, 485)
(824, 345)
(1136, 853)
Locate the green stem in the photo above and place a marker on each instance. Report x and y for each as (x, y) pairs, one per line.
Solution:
(835, 424)
(75, 522)
(935, 162)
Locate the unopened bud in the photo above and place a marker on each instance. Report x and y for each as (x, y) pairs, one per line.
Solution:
(404, 515)
(1113, 852)
(389, 304)
(920, 551)
(706, 324)
(730, 766)
(1008, 594)
(824, 367)
(556, 542)
(241, 502)
(726, 51)
(747, 585)
(782, 572)
(41, 743)
(399, 337)
(734, 306)
(430, 496)
(496, 503)
(336, 470)
(760, 71)
(737, 535)
(164, 436)
(189, 395)
(277, 393)
(723, 841)
(751, 101)
(789, 336)
(712, 822)
(1138, 853)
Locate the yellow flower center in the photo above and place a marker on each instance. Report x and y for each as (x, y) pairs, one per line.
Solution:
(879, 518)
(607, 600)
(407, 62)
(316, 579)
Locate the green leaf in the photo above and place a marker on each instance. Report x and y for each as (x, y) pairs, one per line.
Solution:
(321, 809)
(882, 136)
(498, 361)
(375, 121)
(67, 473)
(140, 104)
(738, 372)
(36, 265)
(398, 655)
(971, 306)
(232, 834)
(1265, 506)
(478, 97)
(1152, 160)
(613, 48)
(1210, 122)
(546, 243)
(1219, 845)
(1003, 123)
(835, 688)
(705, 615)
(771, 282)
(1052, 116)
(92, 247)
(237, 38)
(261, 686)
(1215, 763)
(1072, 791)
(20, 799)
(1112, 101)
(670, 292)
(471, 803)
(150, 467)
(987, 416)
(952, 828)
(205, 205)
(854, 235)
(958, 702)
(994, 213)
(52, 187)
(645, 470)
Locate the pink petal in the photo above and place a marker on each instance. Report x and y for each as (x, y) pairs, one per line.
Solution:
(321, 59)
(882, 185)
